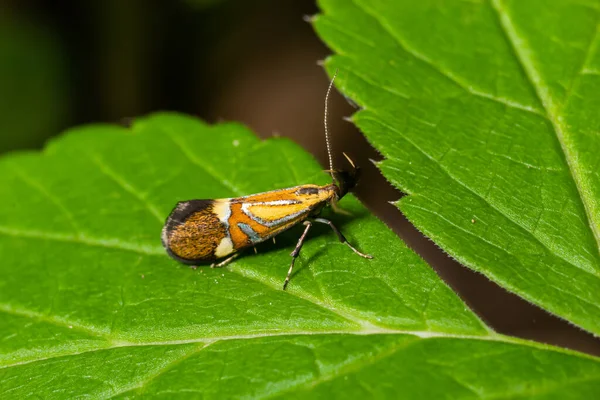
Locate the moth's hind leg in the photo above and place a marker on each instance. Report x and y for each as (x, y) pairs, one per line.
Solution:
(225, 261)
(340, 236)
(296, 252)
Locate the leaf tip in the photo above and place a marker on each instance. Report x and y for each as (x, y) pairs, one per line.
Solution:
(376, 163)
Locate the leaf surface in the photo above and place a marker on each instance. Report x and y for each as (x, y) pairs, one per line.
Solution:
(90, 304)
(487, 115)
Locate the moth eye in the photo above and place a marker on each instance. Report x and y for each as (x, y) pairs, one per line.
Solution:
(308, 190)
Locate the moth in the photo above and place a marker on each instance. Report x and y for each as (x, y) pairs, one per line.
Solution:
(205, 231)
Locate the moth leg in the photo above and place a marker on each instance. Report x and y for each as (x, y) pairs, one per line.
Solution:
(225, 261)
(341, 236)
(296, 252)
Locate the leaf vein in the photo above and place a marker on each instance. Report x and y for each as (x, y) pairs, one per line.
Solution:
(523, 56)
(125, 185)
(379, 120)
(352, 367)
(110, 243)
(583, 69)
(53, 320)
(378, 331)
(305, 296)
(165, 368)
(538, 391)
(573, 294)
(446, 73)
(179, 142)
(55, 200)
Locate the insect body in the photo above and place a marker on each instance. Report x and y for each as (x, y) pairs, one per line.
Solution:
(200, 231)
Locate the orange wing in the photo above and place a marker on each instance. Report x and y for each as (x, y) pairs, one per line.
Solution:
(258, 217)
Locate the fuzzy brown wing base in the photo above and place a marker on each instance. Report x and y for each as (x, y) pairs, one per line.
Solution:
(193, 232)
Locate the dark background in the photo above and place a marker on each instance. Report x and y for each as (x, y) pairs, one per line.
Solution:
(68, 62)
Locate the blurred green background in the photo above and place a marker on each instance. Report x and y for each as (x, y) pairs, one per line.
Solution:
(67, 62)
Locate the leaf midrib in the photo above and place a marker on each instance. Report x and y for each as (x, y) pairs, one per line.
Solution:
(490, 337)
(536, 82)
(116, 344)
(204, 343)
(544, 100)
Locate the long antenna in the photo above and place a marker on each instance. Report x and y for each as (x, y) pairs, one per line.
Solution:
(325, 123)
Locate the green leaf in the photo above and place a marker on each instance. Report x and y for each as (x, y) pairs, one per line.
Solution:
(487, 115)
(90, 304)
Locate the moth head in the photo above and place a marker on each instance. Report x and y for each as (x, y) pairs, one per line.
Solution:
(346, 180)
